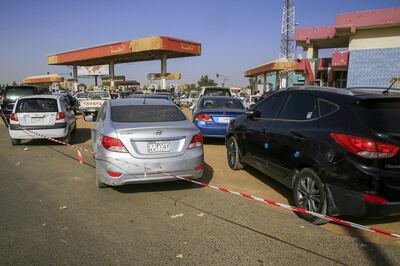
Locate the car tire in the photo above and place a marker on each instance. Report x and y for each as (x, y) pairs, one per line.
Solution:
(309, 193)
(232, 150)
(74, 129)
(99, 184)
(67, 138)
(15, 142)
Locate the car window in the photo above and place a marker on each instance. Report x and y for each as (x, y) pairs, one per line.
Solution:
(36, 105)
(146, 113)
(270, 106)
(216, 92)
(14, 93)
(222, 104)
(300, 107)
(380, 114)
(326, 107)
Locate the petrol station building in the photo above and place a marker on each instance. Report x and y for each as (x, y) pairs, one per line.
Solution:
(145, 49)
(364, 48)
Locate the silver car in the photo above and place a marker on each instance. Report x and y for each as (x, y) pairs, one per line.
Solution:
(138, 140)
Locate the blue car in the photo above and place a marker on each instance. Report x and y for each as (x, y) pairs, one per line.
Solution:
(213, 114)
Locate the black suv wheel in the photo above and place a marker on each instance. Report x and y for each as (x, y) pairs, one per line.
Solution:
(233, 154)
(309, 193)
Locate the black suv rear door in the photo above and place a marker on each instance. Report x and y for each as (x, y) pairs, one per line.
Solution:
(290, 136)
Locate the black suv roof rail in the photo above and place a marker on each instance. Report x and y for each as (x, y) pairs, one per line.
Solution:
(323, 89)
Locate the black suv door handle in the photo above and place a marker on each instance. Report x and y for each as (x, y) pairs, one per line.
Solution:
(297, 135)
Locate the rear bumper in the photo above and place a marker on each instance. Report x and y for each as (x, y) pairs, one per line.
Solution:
(215, 131)
(50, 132)
(135, 171)
(352, 203)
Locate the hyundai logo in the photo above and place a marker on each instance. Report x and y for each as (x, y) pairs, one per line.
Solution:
(158, 132)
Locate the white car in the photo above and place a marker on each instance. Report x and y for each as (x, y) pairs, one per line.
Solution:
(210, 91)
(250, 100)
(49, 115)
(187, 100)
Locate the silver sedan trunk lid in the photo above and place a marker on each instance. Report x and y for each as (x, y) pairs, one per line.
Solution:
(156, 140)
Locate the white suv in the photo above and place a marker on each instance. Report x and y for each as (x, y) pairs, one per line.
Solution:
(211, 91)
(48, 115)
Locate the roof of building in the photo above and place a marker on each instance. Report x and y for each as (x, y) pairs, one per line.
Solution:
(346, 23)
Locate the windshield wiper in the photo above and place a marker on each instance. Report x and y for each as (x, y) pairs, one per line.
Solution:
(394, 80)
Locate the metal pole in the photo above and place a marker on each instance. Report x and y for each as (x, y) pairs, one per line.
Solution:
(75, 76)
(111, 72)
(265, 83)
(163, 72)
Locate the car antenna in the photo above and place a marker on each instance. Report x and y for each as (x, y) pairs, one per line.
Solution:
(394, 80)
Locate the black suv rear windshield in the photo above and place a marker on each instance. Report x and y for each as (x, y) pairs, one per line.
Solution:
(13, 93)
(36, 105)
(382, 115)
(146, 113)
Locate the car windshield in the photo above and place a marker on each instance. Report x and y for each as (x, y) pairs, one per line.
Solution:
(99, 95)
(193, 95)
(36, 105)
(146, 113)
(82, 95)
(380, 115)
(217, 92)
(15, 93)
(222, 104)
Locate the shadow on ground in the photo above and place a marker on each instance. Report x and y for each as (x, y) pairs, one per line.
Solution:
(214, 141)
(167, 186)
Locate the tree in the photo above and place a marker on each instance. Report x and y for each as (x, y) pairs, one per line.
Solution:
(14, 83)
(205, 81)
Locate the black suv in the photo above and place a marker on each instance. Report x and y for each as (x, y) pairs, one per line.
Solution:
(337, 149)
(12, 93)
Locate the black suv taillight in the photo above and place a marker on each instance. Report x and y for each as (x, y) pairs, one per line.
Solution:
(366, 148)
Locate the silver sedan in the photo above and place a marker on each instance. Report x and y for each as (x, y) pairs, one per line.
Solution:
(139, 140)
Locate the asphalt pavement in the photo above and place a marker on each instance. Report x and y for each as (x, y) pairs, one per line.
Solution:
(52, 214)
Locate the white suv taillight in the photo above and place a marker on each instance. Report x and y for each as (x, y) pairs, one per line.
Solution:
(197, 141)
(14, 117)
(113, 144)
(60, 115)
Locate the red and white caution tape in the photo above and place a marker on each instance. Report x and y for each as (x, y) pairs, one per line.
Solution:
(246, 196)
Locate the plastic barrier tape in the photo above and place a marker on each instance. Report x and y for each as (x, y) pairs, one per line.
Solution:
(240, 194)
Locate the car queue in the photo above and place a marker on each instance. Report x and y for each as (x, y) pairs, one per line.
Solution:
(336, 149)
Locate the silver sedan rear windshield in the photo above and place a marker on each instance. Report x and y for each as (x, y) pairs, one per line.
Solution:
(37, 105)
(146, 113)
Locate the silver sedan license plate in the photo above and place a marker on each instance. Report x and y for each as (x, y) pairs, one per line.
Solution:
(159, 146)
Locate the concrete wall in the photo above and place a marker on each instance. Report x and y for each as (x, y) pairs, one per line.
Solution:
(373, 67)
(375, 38)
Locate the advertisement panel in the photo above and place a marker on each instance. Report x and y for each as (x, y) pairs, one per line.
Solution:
(101, 70)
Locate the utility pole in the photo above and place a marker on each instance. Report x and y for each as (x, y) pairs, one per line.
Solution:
(288, 43)
(225, 79)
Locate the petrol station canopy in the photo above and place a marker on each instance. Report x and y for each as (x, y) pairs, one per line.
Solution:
(144, 49)
(42, 79)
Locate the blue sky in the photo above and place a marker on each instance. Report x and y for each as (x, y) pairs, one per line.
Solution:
(235, 35)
